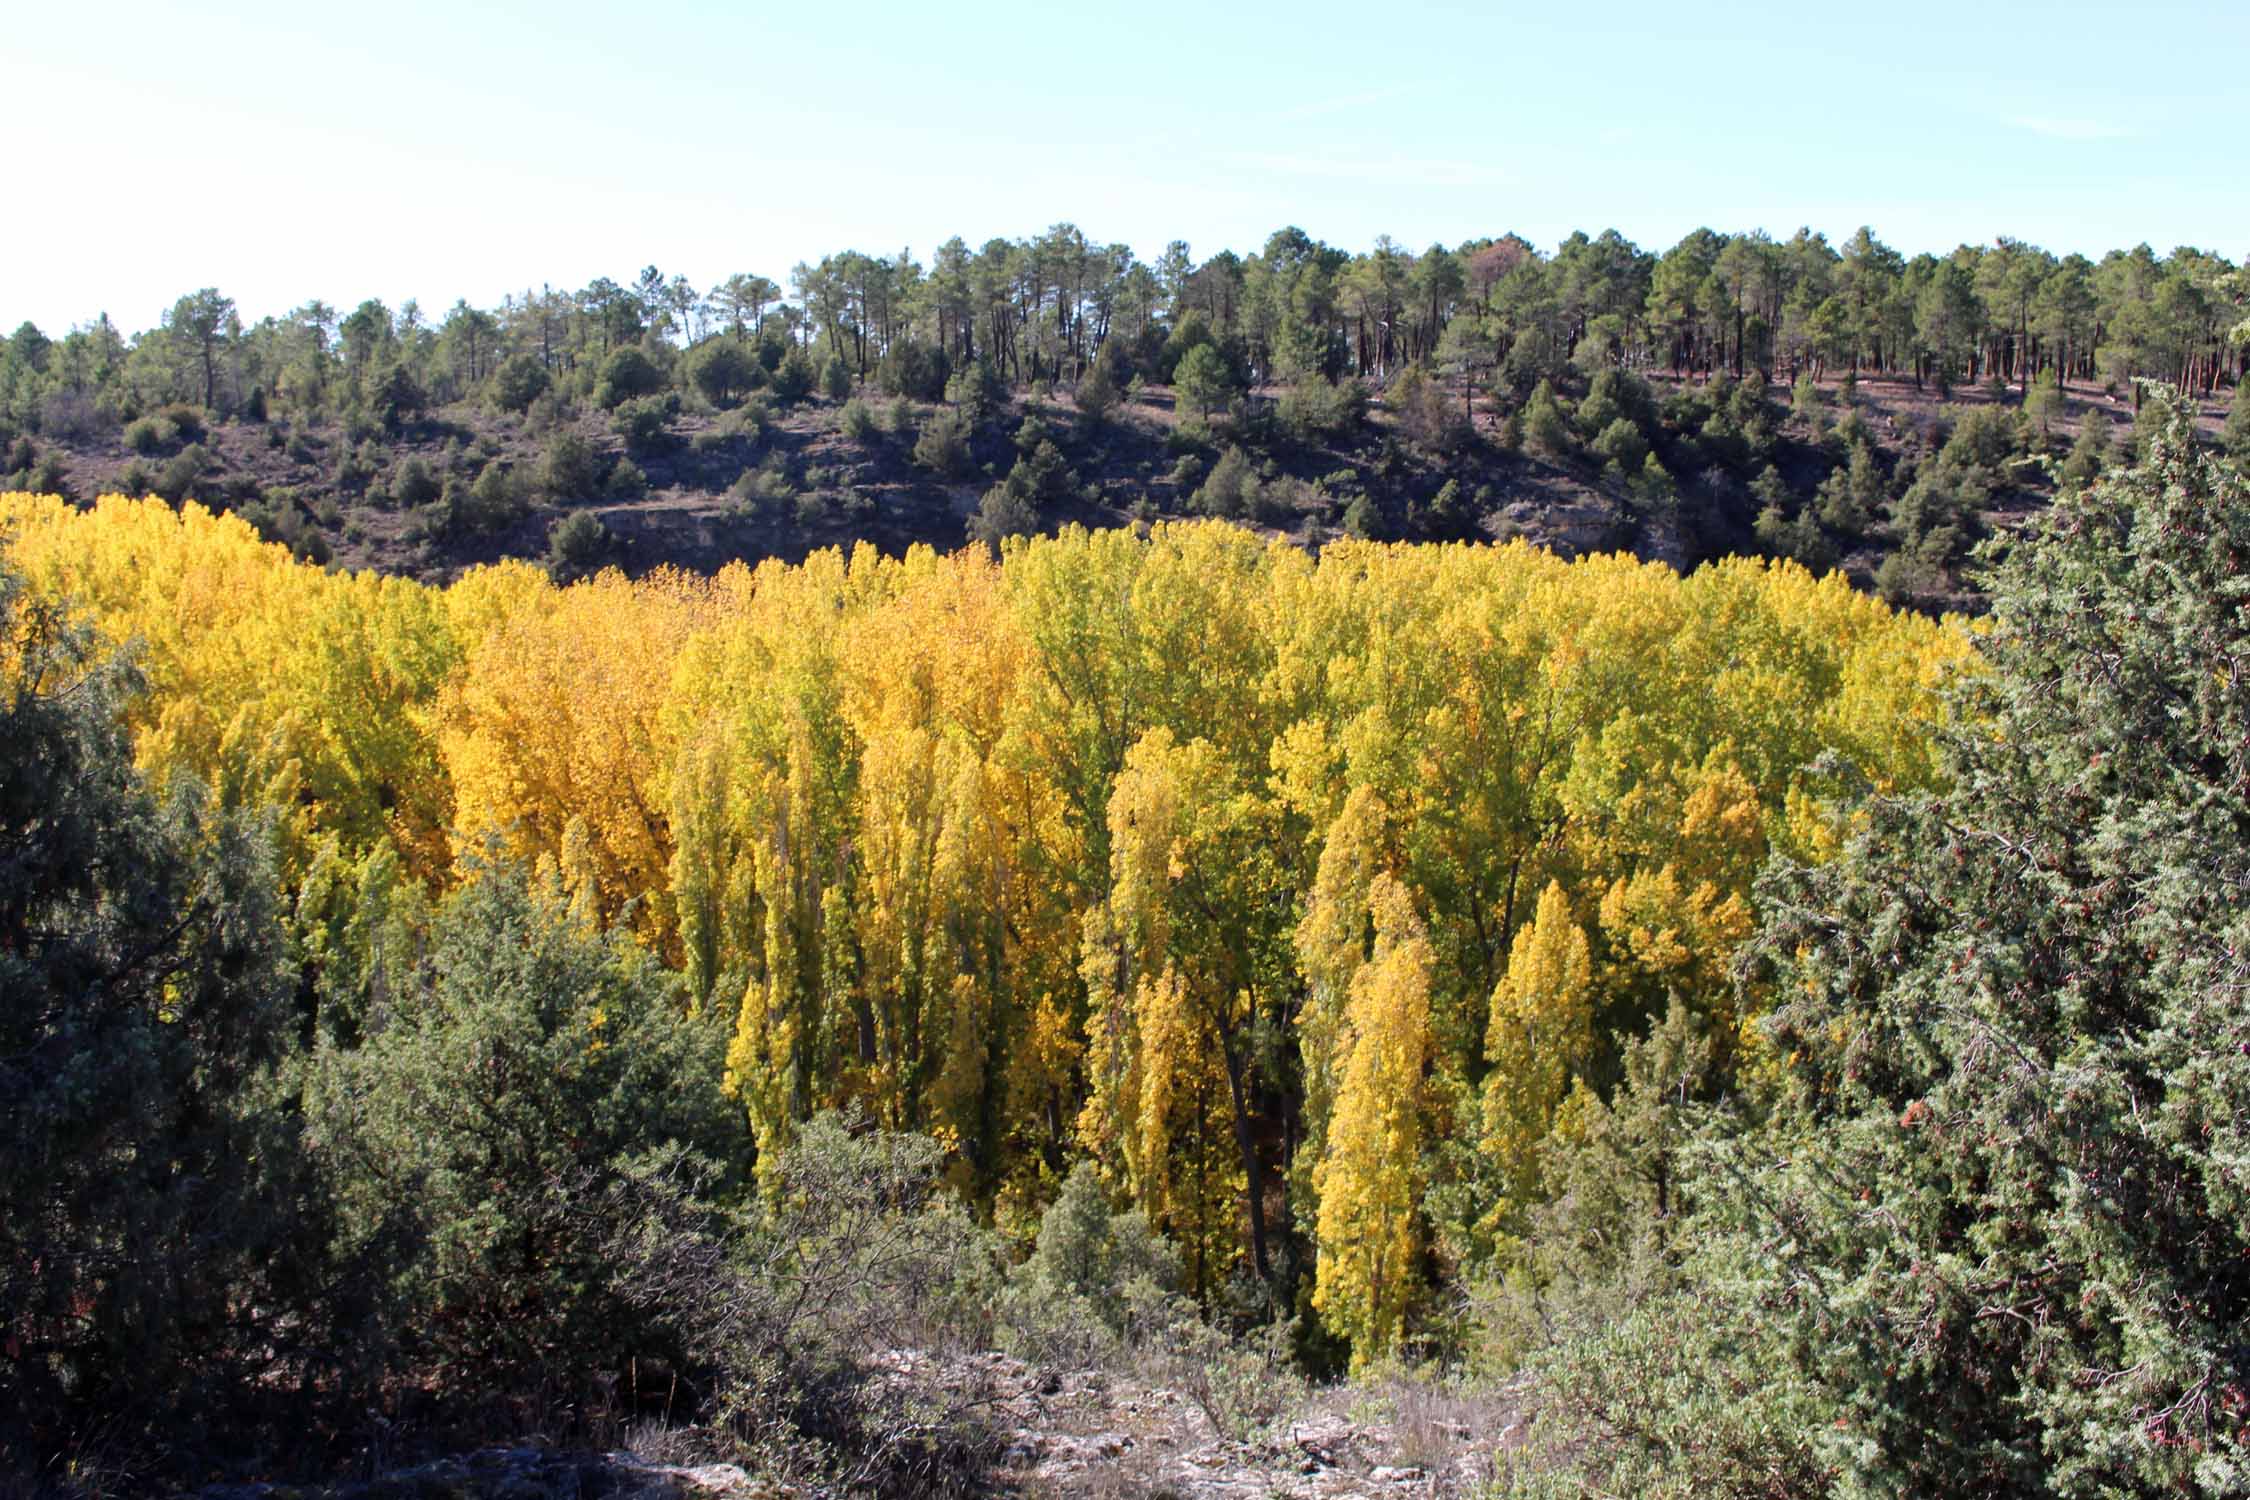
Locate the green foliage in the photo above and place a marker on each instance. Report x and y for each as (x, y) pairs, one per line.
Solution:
(570, 469)
(942, 446)
(912, 370)
(977, 390)
(149, 436)
(180, 479)
(766, 491)
(1317, 408)
(1794, 534)
(413, 484)
(628, 372)
(1090, 1264)
(396, 398)
(835, 378)
(519, 380)
(1203, 379)
(493, 501)
(1230, 487)
(857, 422)
(2043, 405)
(724, 370)
(1544, 426)
(2235, 435)
(576, 545)
(793, 378)
(1621, 443)
(2016, 1067)
(627, 481)
(643, 423)
(1529, 363)
(1617, 396)
(519, 1070)
(158, 1227)
(1096, 395)
(800, 1300)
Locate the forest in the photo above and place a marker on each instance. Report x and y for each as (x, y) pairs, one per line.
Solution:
(1630, 860)
(1731, 395)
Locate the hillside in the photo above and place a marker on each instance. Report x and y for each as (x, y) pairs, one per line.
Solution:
(703, 486)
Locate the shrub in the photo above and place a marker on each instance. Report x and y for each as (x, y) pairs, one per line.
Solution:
(1071, 1302)
(576, 545)
(724, 370)
(626, 481)
(942, 446)
(766, 491)
(180, 477)
(793, 379)
(856, 1251)
(519, 380)
(525, 1062)
(147, 1152)
(1317, 408)
(1544, 426)
(570, 469)
(977, 390)
(857, 422)
(835, 379)
(1004, 511)
(1231, 486)
(625, 374)
(150, 435)
(911, 368)
(1096, 395)
(642, 422)
(412, 483)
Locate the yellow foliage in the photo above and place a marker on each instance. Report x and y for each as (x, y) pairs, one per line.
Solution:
(1048, 855)
(1369, 1179)
(1540, 1036)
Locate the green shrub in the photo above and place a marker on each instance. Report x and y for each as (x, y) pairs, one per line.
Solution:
(576, 545)
(724, 370)
(412, 483)
(627, 373)
(570, 469)
(942, 446)
(519, 380)
(642, 422)
(794, 378)
(150, 435)
(626, 481)
(183, 474)
(857, 422)
(524, 1063)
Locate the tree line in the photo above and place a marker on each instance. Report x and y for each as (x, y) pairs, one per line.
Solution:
(1041, 308)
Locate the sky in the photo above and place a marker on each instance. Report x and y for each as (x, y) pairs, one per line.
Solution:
(435, 151)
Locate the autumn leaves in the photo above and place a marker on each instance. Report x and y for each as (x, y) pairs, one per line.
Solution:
(1298, 893)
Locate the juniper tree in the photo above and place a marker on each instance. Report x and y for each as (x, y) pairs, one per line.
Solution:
(2002, 1217)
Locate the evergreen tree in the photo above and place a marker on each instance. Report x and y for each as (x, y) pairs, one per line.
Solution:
(156, 1230)
(2019, 1064)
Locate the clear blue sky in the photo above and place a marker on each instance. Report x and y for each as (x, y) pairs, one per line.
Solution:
(283, 152)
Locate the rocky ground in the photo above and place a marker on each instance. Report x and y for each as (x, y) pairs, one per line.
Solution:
(1094, 1434)
(1089, 1433)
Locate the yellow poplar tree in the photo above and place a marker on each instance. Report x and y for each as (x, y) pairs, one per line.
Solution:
(1540, 1035)
(1370, 1177)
